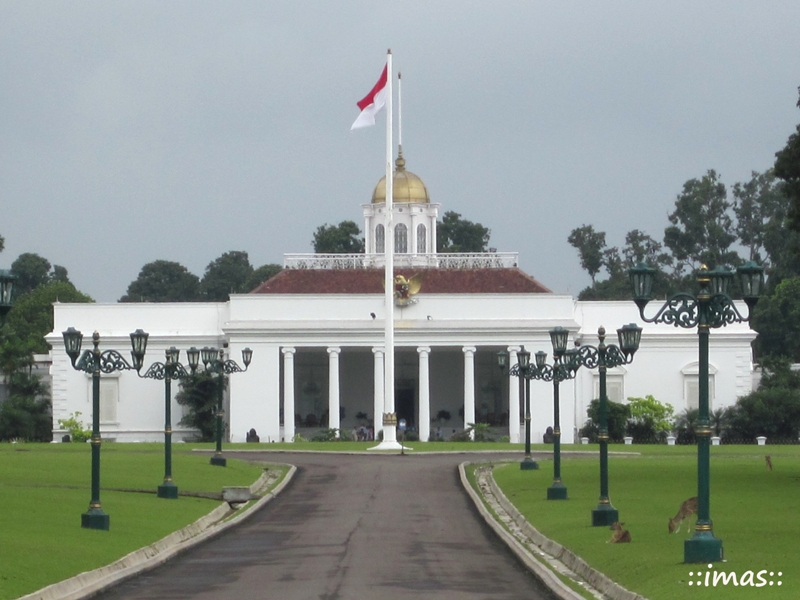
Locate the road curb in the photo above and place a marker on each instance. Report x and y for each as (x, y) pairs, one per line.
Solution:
(590, 576)
(89, 583)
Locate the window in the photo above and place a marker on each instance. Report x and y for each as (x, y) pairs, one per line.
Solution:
(401, 239)
(380, 239)
(691, 386)
(615, 390)
(109, 395)
(421, 242)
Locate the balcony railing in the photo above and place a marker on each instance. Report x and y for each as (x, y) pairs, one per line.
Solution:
(463, 260)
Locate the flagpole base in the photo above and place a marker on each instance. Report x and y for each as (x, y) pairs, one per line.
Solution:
(389, 445)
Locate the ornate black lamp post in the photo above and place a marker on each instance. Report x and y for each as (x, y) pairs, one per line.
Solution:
(711, 307)
(6, 293)
(222, 367)
(170, 369)
(521, 370)
(602, 357)
(96, 362)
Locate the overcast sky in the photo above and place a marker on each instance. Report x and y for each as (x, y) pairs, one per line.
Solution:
(180, 130)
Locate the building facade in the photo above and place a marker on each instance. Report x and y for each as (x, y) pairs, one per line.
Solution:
(317, 334)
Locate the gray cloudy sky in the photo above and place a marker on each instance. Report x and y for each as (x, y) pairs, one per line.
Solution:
(137, 131)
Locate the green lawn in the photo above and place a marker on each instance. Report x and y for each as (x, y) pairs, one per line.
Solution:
(44, 489)
(756, 514)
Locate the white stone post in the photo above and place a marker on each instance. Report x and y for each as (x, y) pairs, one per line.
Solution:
(333, 388)
(288, 394)
(469, 385)
(513, 398)
(424, 394)
(377, 402)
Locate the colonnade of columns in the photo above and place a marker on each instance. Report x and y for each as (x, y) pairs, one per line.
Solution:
(424, 417)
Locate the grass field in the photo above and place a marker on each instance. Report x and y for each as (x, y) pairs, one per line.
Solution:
(44, 489)
(756, 514)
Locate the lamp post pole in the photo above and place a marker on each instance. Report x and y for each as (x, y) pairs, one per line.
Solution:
(219, 365)
(95, 362)
(712, 307)
(170, 369)
(521, 369)
(602, 357)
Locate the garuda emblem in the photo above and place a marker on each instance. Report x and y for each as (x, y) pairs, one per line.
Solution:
(406, 289)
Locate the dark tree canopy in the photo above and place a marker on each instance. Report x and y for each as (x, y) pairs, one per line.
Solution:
(338, 239)
(702, 229)
(590, 245)
(163, 281)
(31, 318)
(454, 234)
(787, 168)
(228, 274)
(32, 270)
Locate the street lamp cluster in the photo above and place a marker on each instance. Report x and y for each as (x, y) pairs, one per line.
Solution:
(566, 363)
(96, 362)
(712, 307)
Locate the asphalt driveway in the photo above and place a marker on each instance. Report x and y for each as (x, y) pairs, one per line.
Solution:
(350, 527)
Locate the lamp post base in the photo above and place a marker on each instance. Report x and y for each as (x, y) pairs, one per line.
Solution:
(557, 491)
(168, 490)
(528, 464)
(95, 518)
(702, 548)
(604, 515)
(219, 461)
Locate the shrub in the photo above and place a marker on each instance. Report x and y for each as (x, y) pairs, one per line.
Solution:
(199, 393)
(616, 419)
(649, 420)
(75, 428)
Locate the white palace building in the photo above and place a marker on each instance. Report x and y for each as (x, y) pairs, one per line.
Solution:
(317, 335)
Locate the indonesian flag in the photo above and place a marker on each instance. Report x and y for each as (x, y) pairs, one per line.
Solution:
(372, 103)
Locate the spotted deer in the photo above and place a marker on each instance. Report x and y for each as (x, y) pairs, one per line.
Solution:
(769, 462)
(688, 508)
(620, 535)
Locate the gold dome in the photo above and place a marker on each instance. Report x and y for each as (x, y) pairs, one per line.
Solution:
(407, 187)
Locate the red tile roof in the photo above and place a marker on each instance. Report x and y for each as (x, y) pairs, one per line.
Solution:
(370, 281)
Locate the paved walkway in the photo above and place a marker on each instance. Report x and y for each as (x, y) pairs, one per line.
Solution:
(351, 527)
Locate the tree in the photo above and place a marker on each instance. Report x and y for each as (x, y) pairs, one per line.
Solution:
(702, 229)
(31, 271)
(261, 274)
(338, 239)
(199, 393)
(616, 417)
(25, 414)
(32, 316)
(649, 420)
(228, 274)
(454, 234)
(776, 318)
(163, 281)
(787, 168)
(589, 244)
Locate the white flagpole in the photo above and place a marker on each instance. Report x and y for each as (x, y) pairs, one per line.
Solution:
(399, 112)
(389, 431)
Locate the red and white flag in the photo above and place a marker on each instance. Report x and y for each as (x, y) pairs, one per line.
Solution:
(372, 103)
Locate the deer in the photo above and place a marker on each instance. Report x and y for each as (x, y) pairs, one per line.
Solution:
(620, 535)
(689, 507)
(769, 462)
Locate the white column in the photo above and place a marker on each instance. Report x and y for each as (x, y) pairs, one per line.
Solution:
(469, 384)
(424, 395)
(288, 394)
(513, 398)
(333, 387)
(377, 403)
